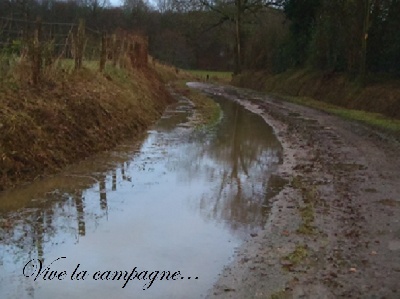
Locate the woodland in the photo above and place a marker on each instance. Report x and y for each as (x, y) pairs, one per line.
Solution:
(355, 37)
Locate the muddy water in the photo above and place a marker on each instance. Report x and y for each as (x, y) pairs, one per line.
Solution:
(181, 200)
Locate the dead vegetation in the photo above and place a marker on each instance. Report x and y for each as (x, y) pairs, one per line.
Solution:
(55, 111)
(71, 116)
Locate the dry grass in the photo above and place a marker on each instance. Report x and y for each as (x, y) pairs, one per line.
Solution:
(71, 116)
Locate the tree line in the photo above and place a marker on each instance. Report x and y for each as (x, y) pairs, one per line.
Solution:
(351, 36)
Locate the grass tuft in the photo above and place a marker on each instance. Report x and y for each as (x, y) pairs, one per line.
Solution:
(298, 256)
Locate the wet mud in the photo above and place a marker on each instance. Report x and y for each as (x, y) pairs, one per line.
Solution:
(333, 230)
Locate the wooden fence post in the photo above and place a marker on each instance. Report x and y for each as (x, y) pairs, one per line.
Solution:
(36, 55)
(79, 44)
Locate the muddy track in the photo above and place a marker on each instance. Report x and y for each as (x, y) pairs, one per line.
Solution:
(334, 229)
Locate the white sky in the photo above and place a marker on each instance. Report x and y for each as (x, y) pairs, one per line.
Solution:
(115, 2)
(119, 2)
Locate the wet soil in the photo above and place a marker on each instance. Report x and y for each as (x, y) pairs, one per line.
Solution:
(334, 229)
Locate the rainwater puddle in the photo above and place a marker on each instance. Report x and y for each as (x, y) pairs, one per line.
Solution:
(180, 201)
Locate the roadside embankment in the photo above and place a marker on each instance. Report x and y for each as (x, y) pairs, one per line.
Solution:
(380, 95)
(72, 116)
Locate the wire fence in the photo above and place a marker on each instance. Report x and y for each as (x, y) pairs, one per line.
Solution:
(43, 43)
(15, 35)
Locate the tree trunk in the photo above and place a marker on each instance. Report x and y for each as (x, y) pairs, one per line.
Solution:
(238, 38)
(363, 64)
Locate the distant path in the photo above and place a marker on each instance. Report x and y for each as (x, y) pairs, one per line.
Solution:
(343, 193)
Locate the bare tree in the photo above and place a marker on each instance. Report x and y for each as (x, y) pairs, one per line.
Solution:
(234, 11)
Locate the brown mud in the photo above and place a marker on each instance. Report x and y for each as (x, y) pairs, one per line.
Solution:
(333, 230)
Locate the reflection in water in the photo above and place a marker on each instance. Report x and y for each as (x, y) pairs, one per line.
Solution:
(123, 171)
(79, 204)
(103, 192)
(238, 157)
(203, 190)
(114, 180)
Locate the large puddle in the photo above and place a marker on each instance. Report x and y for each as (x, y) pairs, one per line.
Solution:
(179, 202)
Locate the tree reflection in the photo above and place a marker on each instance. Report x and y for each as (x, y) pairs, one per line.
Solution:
(103, 192)
(114, 180)
(232, 164)
(45, 221)
(58, 210)
(123, 171)
(238, 160)
(37, 235)
(79, 204)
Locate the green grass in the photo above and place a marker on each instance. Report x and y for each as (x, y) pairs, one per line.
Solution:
(213, 75)
(121, 75)
(299, 254)
(307, 212)
(68, 64)
(208, 110)
(281, 294)
(307, 215)
(375, 120)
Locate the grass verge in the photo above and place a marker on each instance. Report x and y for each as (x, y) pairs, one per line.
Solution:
(376, 105)
(375, 120)
(213, 76)
(207, 110)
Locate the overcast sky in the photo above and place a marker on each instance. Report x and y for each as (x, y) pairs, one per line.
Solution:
(116, 2)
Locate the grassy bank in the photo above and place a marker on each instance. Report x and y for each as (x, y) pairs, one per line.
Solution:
(71, 116)
(207, 111)
(377, 104)
(376, 120)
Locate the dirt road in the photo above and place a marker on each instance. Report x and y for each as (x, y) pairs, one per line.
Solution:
(334, 229)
